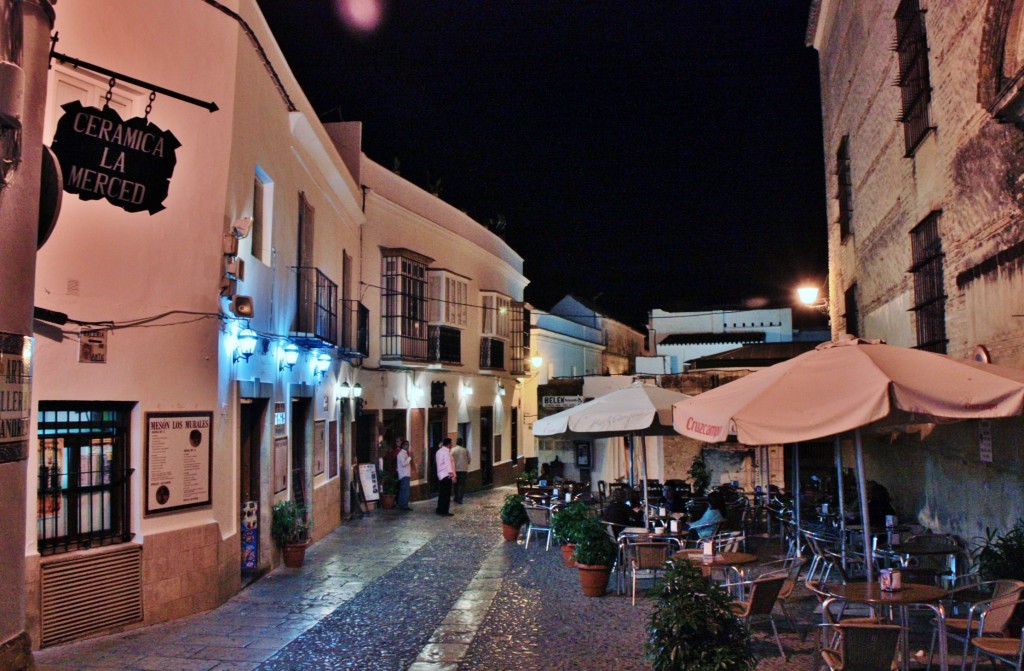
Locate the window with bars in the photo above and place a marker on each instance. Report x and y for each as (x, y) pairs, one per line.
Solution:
(914, 82)
(852, 316)
(519, 323)
(492, 353)
(83, 481)
(844, 190)
(403, 305)
(929, 287)
(445, 344)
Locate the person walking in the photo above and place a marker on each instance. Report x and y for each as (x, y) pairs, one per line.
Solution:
(445, 476)
(460, 457)
(404, 460)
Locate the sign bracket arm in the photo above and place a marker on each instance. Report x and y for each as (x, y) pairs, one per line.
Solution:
(78, 63)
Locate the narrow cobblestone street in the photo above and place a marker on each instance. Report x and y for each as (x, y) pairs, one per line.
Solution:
(395, 591)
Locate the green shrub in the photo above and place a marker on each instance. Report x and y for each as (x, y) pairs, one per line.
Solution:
(1001, 557)
(594, 547)
(513, 513)
(700, 474)
(693, 628)
(288, 523)
(567, 523)
(388, 482)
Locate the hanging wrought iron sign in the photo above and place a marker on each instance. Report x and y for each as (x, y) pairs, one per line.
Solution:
(128, 162)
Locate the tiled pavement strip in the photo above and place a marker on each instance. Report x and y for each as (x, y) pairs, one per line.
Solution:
(417, 592)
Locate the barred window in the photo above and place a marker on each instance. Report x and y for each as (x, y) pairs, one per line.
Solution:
(915, 85)
(844, 191)
(929, 288)
(492, 353)
(520, 326)
(852, 316)
(83, 481)
(403, 305)
(445, 344)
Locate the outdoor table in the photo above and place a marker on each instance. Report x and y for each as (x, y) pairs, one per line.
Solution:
(871, 593)
(719, 560)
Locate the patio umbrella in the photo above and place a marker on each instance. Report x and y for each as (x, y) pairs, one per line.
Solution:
(638, 409)
(845, 385)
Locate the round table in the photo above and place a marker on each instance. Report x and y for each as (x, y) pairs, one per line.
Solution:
(721, 560)
(911, 593)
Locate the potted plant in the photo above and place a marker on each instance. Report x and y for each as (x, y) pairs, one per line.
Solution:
(567, 524)
(700, 475)
(513, 516)
(1001, 557)
(525, 480)
(693, 627)
(290, 531)
(388, 488)
(595, 555)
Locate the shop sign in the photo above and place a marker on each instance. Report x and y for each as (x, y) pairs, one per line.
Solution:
(128, 162)
(15, 376)
(561, 401)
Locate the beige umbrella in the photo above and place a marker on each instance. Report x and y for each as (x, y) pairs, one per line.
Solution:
(845, 385)
(638, 409)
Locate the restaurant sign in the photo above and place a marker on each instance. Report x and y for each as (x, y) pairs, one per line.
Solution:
(128, 162)
(561, 401)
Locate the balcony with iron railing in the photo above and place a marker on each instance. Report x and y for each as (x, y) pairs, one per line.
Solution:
(355, 330)
(316, 319)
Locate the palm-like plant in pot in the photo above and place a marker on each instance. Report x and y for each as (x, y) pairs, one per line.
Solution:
(595, 555)
(290, 531)
(513, 516)
(567, 524)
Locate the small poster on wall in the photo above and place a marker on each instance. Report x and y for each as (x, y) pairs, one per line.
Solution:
(179, 463)
(583, 454)
(280, 464)
(319, 445)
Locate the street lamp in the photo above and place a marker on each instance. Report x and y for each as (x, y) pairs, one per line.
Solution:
(289, 356)
(247, 340)
(808, 295)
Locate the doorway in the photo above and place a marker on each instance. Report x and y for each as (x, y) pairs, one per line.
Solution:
(253, 412)
(487, 445)
(300, 450)
(436, 423)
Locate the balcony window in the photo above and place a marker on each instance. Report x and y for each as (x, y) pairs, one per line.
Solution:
(495, 314)
(519, 322)
(316, 323)
(445, 344)
(403, 304)
(492, 353)
(449, 299)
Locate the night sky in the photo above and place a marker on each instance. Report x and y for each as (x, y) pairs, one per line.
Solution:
(643, 154)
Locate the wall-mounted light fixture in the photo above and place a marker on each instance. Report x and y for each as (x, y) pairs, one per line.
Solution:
(536, 361)
(344, 391)
(415, 393)
(808, 296)
(321, 365)
(501, 389)
(247, 341)
(289, 356)
(357, 390)
(467, 390)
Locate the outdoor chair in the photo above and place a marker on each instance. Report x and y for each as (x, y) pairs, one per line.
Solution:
(790, 568)
(862, 647)
(825, 603)
(760, 601)
(648, 556)
(1007, 650)
(994, 614)
(540, 522)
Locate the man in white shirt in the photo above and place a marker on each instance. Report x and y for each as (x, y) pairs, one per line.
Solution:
(445, 477)
(404, 461)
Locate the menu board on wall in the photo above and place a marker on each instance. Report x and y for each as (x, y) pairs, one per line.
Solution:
(319, 445)
(179, 464)
(332, 449)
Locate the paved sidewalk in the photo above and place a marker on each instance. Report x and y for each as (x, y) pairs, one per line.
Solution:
(412, 592)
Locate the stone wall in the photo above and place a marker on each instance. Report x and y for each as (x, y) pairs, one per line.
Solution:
(188, 571)
(327, 508)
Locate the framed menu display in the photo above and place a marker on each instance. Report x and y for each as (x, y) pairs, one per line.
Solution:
(179, 460)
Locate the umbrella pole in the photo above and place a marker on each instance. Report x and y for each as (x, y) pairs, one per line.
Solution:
(842, 507)
(796, 498)
(868, 555)
(647, 507)
(632, 439)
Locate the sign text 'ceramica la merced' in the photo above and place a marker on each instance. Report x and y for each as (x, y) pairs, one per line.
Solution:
(128, 162)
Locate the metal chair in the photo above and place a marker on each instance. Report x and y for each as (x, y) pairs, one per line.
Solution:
(760, 601)
(1007, 650)
(649, 556)
(540, 522)
(862, 647)
(995, 613)
(790, 568)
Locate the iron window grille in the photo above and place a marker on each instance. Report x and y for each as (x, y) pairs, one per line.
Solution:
(445, 345)
(317, 318)
(492, 353)
(915, 85)
(403, 308)
(845, 188)
(852, 316)
(84, 477)
(519, 318)
(355, 330)
(929, 287)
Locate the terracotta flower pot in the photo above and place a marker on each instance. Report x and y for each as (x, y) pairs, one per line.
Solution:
(567, 551)
(594, 579)
(294, 554)
(387, 501)
(510, 532)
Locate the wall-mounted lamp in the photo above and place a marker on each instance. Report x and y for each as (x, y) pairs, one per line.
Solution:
(536, 361)
(501, 389)
(415, 393)
(247, 341)
(357, 391)
(808, 296)
(321, 365)
(345, 390)
(289, 356)
(467, 390)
